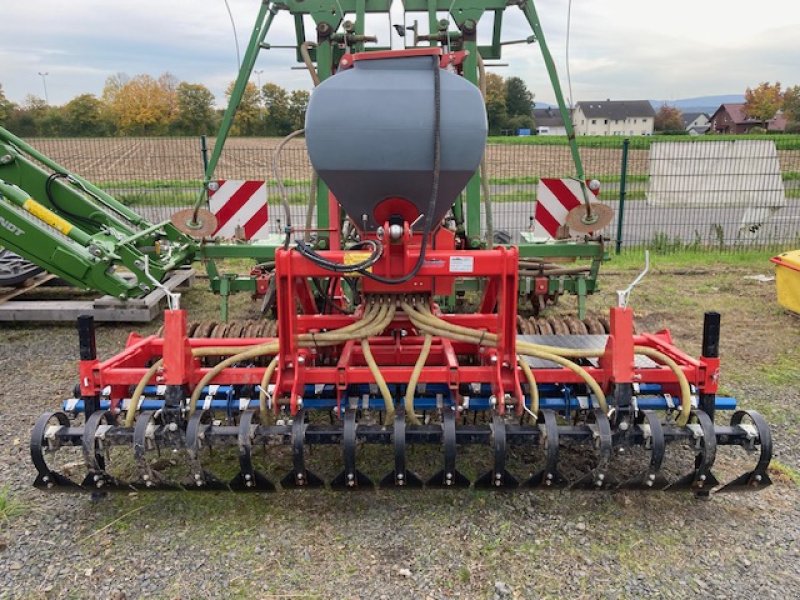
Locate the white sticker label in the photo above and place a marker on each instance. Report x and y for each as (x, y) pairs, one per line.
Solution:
(462, 264)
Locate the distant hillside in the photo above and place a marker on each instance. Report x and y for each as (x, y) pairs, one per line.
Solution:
(706, 104)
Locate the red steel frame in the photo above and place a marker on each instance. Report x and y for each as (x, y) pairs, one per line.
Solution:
(395, 354)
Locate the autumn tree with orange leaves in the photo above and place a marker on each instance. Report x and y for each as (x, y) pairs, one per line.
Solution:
(763, 102)
(142, 105)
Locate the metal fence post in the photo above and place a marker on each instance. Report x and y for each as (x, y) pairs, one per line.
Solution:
(204, 152)
(622, 185)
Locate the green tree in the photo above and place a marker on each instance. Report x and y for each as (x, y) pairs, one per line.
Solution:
(276, 103)
(791, 103)
(298, 103)
(195, 109)
(51, 122)
(519, 100)
(84, 116)
(249, 116)
(6, 106)
(495, 103)
(763, 102)
(668, 118)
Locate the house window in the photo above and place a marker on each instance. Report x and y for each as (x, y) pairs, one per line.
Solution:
(605, 122)
(594, 121)
(634, 120)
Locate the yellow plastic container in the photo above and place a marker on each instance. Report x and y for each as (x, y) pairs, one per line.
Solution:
(787, 279)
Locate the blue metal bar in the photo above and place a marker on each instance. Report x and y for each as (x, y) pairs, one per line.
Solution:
(227, 402)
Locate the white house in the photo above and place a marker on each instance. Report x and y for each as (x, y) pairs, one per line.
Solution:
(696, 123)
(614, 117)
(549, 121)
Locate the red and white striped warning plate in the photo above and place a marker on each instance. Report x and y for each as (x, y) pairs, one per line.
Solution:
(555, 198)
(240, 204)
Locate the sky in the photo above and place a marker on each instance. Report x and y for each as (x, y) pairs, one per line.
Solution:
(619, 49)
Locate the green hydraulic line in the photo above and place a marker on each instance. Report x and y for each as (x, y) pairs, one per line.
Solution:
(531, 15)
(103, 197)
(22, 199)
(256, 39)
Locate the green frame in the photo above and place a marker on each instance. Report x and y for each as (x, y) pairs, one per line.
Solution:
(88, 243)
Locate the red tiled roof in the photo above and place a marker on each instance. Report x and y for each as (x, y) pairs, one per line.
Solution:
(739, 116)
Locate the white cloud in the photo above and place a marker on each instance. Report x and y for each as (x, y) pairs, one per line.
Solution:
(619, 48)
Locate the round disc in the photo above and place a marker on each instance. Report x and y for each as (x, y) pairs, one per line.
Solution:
(601, 216)
(204, 226)
(15, 270)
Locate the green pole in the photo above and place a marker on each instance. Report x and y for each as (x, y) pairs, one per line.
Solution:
(324, 70)
(204, 152)
(256, 39)
(473, 189)
(529, 10)
(623, 182)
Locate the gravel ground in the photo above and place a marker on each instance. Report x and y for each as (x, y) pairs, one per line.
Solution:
(427, 544)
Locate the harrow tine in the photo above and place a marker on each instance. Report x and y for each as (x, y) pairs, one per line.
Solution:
(299, 476)
(758, 478)
(199, 424)
(143, 430)
(597, 477)
(651, 478)
(498, 478)
(46, 478)
(350, 478)
(548, 477)
(96, 474)
(400, 477)
(701, 480)
(449, 477)
(249, 479)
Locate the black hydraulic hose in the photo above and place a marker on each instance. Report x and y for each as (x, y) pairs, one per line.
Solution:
(363, 267)
(437, 167)
(308, 252)
(48, 188)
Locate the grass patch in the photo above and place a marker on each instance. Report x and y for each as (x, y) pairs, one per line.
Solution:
(783, 370)
(784, 472)
(782, 142)
(757, 259)
(10, 507)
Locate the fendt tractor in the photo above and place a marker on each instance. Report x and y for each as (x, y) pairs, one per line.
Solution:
(396, 318)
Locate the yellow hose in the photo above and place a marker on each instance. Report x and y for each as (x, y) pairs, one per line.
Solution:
(526, 369)
(369, 317)
(262, 395)
(365, 327)
(686, 392)
(137, 392)
(254, 352)
(579, 371)
(151, 372)
(304, 47)
(444, 329)
(411, 390)
(433, 330)
(424, 314)
(565, 352)
(379, 380)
